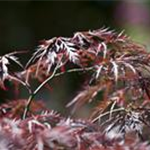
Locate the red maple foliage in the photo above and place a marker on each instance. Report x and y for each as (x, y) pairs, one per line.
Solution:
(119, 68)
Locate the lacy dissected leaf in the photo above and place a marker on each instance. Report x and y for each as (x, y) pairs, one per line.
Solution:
(54, 51)
(91, 44)
(6, 63)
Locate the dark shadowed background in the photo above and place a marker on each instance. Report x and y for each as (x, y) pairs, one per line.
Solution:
(23, 24)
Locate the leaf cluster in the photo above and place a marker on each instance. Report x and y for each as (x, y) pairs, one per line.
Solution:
(118, 67)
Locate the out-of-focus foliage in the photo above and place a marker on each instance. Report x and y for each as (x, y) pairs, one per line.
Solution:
(24, 23)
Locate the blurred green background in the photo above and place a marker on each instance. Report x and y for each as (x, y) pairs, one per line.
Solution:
(24, 23)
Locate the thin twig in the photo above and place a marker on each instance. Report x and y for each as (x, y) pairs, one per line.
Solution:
(54, 74)
(25, 84)
(32, 95)
(74, 70)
